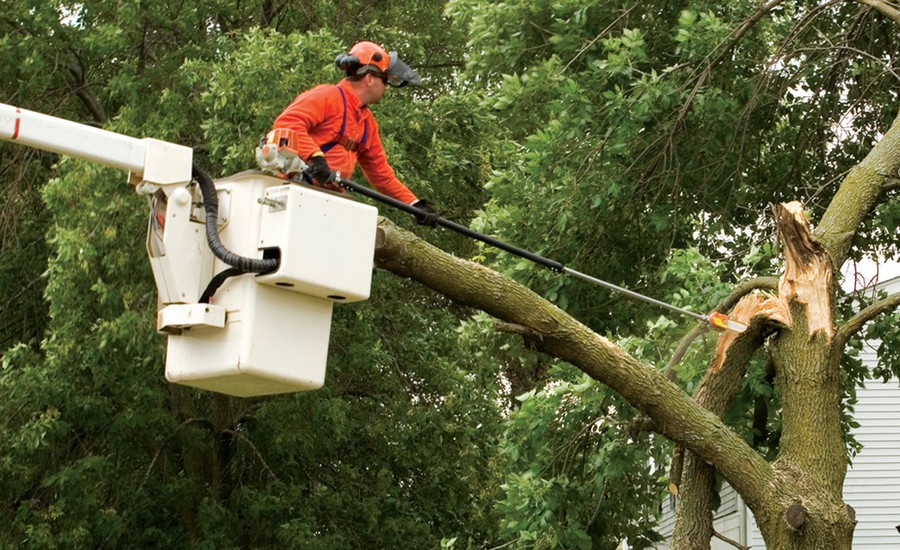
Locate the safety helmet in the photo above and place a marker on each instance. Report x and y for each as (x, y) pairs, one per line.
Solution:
(370, 58)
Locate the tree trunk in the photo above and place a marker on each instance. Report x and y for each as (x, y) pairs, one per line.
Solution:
(693, 511)
(806, 509)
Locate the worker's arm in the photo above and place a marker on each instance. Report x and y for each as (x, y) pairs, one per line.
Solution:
(307, 115)
(379, 173)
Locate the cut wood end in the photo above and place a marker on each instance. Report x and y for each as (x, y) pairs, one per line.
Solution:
(673, 489)
(796, 516)
(796, 209)
(750, 306)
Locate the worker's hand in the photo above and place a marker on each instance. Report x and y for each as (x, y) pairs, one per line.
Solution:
(429, 215)
(320, 172)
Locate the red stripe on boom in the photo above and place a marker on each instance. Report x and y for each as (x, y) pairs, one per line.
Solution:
(18, 120)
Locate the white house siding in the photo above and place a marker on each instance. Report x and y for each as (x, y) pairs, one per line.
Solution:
(872, 485)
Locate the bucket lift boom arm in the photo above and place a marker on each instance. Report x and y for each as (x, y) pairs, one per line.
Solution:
(150, 163)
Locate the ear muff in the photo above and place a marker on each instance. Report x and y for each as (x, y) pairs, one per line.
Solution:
(347, 62)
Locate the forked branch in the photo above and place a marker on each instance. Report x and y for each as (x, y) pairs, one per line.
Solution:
(858, 321)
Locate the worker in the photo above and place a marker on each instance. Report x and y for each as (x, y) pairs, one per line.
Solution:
(334, 127)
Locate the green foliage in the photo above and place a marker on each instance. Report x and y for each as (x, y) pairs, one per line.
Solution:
(247, 84)
(23, 253)
(623, 159)
(635, 143)
(581, 474)
(99, 451)
(883, 333)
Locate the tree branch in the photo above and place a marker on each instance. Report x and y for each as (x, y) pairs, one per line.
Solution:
(603, 33)
(674, 413)
(526, 333)
(856, 323)
(75, 71)
(734, 543)
(741, 290)
(736, 35)
(883, 8)
(858, 194)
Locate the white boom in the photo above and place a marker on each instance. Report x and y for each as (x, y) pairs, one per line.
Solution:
(261, 334)
(146, 160)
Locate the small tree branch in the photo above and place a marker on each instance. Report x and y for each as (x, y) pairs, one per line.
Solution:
(256, 452)
(736, 35)
(206, 423)
(745, 288)
(727, 540)
(608, 28)
(699, 330)
(512, 328)
(858, 321)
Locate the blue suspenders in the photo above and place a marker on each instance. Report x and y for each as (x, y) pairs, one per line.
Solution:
(348, 143)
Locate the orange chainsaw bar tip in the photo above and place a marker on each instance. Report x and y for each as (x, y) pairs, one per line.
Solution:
(721, 321)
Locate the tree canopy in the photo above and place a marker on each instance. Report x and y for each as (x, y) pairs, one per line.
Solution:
(641, 143)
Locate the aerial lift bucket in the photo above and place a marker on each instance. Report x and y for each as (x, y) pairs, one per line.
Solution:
(275, 331)
(258, 334)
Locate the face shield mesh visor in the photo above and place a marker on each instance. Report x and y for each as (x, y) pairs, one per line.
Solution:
(400, 74)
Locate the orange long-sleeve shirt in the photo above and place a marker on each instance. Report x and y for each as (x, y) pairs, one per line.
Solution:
(316, 116)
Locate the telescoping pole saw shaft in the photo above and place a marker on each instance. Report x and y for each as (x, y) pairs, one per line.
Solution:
(715, 319)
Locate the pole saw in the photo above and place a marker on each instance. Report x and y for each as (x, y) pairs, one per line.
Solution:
(275, 154)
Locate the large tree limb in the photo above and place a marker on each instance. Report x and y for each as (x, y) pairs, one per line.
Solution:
(717, 392)
(883, 8)
(856, 323)
(674, 413)
(858, 195)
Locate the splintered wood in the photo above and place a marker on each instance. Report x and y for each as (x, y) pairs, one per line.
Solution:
(806, 280)
(748, 307)
(807, 268)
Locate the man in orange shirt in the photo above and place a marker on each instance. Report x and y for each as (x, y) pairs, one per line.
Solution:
(334, 128)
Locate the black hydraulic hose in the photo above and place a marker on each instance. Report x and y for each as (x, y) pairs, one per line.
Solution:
(211, 205)
(217, 282)
(453, 226)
